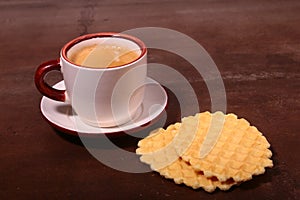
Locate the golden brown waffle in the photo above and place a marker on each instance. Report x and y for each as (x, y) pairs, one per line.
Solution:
(178, 170)
(240, 151)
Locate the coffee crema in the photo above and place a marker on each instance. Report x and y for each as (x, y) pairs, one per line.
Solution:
(103, 56)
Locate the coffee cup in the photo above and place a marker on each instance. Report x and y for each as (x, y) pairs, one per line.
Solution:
(104, 75)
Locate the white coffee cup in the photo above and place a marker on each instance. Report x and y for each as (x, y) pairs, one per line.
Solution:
(102, 97)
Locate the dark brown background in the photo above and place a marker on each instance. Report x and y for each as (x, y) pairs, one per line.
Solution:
(255, 44)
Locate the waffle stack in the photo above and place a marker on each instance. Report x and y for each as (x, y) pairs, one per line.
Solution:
(207, 151)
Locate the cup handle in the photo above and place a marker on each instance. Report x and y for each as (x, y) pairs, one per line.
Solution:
(45, 88)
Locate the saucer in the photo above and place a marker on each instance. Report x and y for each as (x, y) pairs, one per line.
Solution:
(60, 114)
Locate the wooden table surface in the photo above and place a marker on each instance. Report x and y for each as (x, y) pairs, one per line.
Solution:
(255, 44)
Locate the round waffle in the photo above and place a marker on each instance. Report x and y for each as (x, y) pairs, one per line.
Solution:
(178, 170)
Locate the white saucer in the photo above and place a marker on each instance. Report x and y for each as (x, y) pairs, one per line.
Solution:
(61, 117)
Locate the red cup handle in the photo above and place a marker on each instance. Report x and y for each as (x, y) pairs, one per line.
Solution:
(45, 88)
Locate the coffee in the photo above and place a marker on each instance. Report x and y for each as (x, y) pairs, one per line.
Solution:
(103, 56)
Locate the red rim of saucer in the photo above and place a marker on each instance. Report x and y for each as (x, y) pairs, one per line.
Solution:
(132, 130)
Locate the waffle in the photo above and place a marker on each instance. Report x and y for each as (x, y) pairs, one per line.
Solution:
(178, 170)
(240, 150)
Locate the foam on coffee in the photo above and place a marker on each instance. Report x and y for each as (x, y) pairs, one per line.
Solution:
(106, 54)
